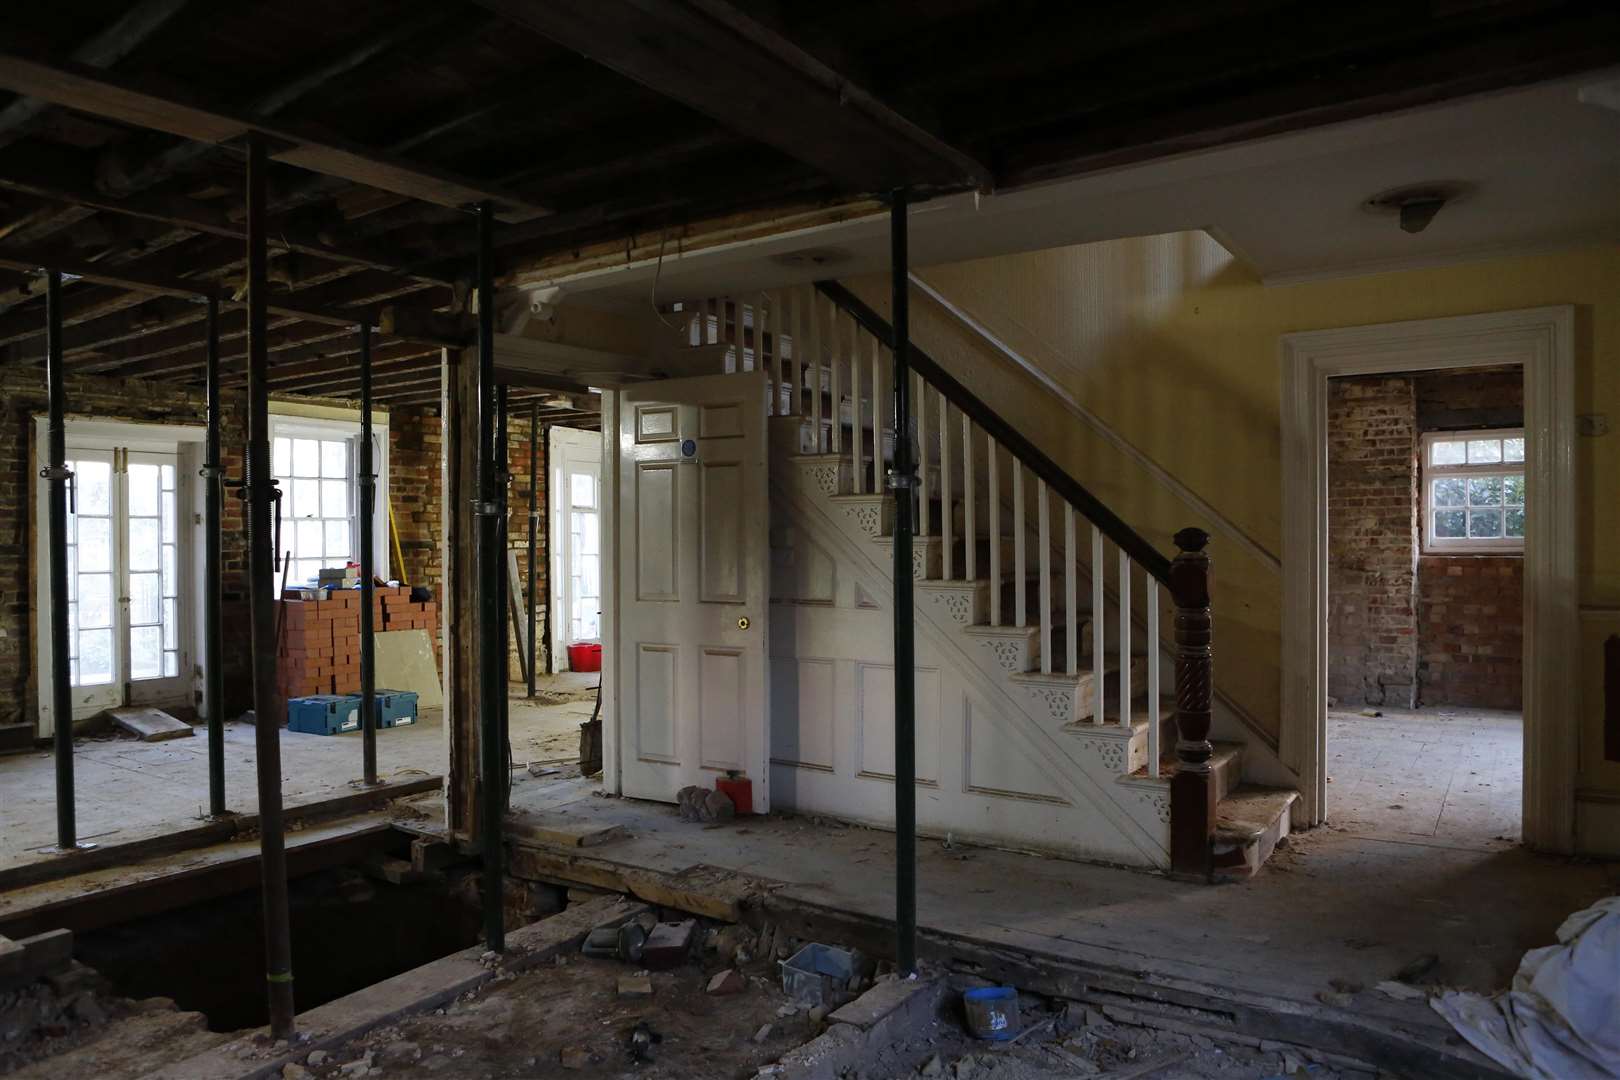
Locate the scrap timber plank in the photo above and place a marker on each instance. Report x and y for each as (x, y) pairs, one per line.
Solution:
(149, 724)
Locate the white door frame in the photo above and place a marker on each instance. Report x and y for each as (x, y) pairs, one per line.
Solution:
(178, 439)
(558, 505)
(1540, 339)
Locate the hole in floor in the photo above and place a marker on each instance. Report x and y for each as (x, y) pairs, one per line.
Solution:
(349, 930)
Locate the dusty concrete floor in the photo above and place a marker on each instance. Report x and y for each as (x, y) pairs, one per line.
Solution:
(128, 790)
(1440, 775)
(1330, 905)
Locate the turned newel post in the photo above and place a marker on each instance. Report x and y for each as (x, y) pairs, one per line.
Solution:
(1192, 788)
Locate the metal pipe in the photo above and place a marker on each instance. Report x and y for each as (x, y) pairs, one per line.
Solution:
(261, 603)
(535, 435)
(213, 649)
(902, 479)
(57, 478)
(368, 570)
(545, 545)
(503, 478)
(491, 664)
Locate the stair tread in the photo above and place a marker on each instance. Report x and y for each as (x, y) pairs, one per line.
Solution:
(1225, 753)
(1246, 814)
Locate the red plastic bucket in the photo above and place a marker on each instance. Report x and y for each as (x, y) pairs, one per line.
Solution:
(584, 658)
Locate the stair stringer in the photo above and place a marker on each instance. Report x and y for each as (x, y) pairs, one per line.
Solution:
(1110, 822)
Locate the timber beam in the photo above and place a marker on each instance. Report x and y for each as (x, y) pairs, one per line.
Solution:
(78, 86)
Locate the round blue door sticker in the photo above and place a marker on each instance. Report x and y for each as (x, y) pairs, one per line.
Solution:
(688, 448)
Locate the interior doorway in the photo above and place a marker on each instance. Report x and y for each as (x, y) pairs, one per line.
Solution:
(1541, 341)
(1425, 614)
(576, 540)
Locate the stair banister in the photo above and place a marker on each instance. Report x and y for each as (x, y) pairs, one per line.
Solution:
(1004, 434)
(1192, 788)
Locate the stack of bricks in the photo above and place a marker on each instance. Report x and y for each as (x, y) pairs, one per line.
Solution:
(320, 645)
(393, 609)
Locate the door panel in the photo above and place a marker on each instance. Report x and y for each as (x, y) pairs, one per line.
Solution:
(694, 528)
(95, 642)
(151, 546)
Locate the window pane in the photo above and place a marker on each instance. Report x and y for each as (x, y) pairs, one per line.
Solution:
(1484, 491)
(95, 600)
(337, 540)
(281, 462)
(93, 481)
(1513, 490)
(169, 575)
(1449, 523)
(334, 458)
(589, 536)
(309, 540)
(1515, 523)
(582, 490)
(306, 498)
(1484, 451)
(306, 457)
(1513, 449)
(145, 652)
(167, 516)
(167, 472)
(171, 665)
(334, 498)
(306, 570)
(95, 657)
(1448, 491)
(95, 545)
(1448, 453)
(171, 625)
(143, 489)
(144, 544)
(1484, 524)
(144, 599)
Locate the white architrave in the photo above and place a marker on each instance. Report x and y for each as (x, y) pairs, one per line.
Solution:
(1542, 340)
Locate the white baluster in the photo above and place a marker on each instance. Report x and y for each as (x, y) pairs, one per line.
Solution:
(762, 353)
(970, 531)
(879, 415)
(856, 389)
(1071, 618)
(1124, 640)
(1152, 598)
(835, 361)
(1020, 600)
(946, 511)
(817, 356)
(920, 411)
(1043, 515)
(1098, 636)
(993, 512)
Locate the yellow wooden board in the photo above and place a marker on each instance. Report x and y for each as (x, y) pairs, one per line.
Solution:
(405, 662)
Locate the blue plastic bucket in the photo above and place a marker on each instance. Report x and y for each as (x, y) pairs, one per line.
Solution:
(992, 1012)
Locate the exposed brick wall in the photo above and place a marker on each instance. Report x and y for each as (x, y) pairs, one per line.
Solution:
(1470, 607)
(1372, 618)
(416, 485)
(1471, 613)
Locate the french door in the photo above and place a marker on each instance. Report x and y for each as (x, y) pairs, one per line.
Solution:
(124, 610)
(576, 574)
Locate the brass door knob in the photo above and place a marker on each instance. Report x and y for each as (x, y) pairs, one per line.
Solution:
(743, 623)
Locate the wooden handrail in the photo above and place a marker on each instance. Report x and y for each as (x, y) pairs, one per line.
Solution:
(1143, 553)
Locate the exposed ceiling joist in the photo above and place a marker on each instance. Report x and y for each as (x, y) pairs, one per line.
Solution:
(129, 277)
(722, 62)
(86, 89)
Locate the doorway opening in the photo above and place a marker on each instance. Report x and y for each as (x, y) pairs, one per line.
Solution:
(1425, 618)
(576, 531)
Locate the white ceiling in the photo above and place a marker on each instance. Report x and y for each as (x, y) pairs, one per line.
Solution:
(1543, 167)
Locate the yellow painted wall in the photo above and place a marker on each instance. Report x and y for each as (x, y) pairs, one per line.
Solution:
(1175, 344)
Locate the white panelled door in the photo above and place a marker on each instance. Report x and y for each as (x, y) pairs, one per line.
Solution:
(693, 522)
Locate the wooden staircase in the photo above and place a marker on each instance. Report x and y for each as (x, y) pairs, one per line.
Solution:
(998, 561)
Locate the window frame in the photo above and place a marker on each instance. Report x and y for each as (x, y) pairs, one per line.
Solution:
(1428, 473)
(342, 425)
